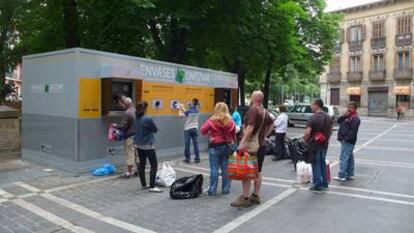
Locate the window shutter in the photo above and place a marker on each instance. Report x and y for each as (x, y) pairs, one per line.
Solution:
(348, 34)
(341, 36)
(363, 32)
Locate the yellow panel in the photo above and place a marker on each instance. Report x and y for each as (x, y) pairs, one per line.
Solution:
(89, 98)
(166, 93)
(402, 90)
(353, 91)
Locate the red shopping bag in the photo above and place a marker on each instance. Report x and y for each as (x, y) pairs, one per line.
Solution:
(328, 171)
(242, 166)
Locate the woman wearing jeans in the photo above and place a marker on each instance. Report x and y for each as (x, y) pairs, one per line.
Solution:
(144, 141)
(222, 131)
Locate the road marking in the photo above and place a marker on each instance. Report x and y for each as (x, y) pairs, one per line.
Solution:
(5, 194)
(380, 163)
(372, 198)
(256, 211)
(375, 138)
(50, 217)
(28, 187)
(93, 214)
(81, 184)
(390, 148)
(206, 174)
(295, 182)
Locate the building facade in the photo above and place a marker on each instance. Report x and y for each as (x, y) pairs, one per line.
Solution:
(373, 61)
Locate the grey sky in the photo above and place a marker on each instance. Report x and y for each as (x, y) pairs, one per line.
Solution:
(340, 4)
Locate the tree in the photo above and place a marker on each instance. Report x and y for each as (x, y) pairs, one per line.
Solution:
(10, 18)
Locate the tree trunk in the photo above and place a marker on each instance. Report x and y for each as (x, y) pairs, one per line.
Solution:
(267, 83)
(71, 23)
(241, 89)
(267, 87)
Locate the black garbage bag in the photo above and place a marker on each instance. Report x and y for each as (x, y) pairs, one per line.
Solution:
(187, 187)
(270, 147)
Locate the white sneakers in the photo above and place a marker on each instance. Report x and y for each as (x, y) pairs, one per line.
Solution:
(344, 179)
(155, 190)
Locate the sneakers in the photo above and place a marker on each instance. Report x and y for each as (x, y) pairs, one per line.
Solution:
(145, 187)
(254, 199)
(339, 178)
(186, 161)
(351, 178)
(155, 190)
(197, 161)
(242, 201)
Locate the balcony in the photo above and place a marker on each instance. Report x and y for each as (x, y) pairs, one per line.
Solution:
(354, 76)
(377, 75)
(334, 77)
(355, 46)
(403, 74)
(378, 43)
(405, 39)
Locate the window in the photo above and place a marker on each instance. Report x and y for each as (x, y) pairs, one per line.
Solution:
(356, 99)
(355, 64)
(335, 66)
(403, 60)
(120, 89)
(378, 62)
(404, 24)
(356, 33)
(403, 100)
(378, 29)
(335, 96)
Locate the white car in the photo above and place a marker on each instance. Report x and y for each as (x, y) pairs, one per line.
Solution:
(300, 114)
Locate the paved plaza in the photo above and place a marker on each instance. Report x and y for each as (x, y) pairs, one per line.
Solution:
(380, 199)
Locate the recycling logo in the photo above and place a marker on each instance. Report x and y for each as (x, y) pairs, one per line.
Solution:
(179, 76)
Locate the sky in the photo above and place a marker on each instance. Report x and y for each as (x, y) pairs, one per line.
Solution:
(341, 4)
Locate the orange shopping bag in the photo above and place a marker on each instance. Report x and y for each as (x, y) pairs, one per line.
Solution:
(242, 166)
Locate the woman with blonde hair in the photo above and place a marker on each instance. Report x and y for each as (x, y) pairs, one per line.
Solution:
(222, 131)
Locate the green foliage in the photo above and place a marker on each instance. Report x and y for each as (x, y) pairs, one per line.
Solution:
(6, 89)
(272, 44)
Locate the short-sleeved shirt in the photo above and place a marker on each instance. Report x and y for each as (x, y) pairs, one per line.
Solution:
(254, 116)
(320, 122)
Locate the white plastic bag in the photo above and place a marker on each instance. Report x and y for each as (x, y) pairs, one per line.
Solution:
(303, 172)
(165, 176)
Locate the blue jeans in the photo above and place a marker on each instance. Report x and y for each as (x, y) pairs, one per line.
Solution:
(218, 158)
(189, 135)
(319, 168)
(346, 160)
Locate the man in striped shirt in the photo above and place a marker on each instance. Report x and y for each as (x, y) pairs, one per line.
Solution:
(191, 130)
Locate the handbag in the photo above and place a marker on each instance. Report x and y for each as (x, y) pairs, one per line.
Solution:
(242, 166)
(253, 145)
(230, 147)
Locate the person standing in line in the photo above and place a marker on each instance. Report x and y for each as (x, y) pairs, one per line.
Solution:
(237, 119)
(281, 124)
(317, 133)
(258, 124)
(222, 132)
(191, 129)
(347, 135)
(145, 129)
(127, 125)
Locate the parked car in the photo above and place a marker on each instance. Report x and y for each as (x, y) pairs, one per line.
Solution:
(300, 114)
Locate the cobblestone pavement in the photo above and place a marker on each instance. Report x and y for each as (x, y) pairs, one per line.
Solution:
(381, 199)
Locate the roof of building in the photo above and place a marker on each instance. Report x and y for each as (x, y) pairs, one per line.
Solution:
(364, 6)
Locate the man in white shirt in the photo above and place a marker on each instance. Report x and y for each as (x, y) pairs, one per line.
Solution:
(281, 124)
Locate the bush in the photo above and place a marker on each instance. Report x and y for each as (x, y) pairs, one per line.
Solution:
(6, 89)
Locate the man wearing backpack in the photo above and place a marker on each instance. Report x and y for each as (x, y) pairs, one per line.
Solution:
(317, 133)
(347, 135)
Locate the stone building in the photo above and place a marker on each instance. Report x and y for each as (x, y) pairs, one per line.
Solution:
(373, 61)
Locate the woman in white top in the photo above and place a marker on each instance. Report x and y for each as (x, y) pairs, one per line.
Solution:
(281, 124)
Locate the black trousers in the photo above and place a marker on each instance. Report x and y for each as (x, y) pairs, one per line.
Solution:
(152, 157)
(280, 144)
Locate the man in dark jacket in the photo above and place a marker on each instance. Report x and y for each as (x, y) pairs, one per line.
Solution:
(347, 135)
